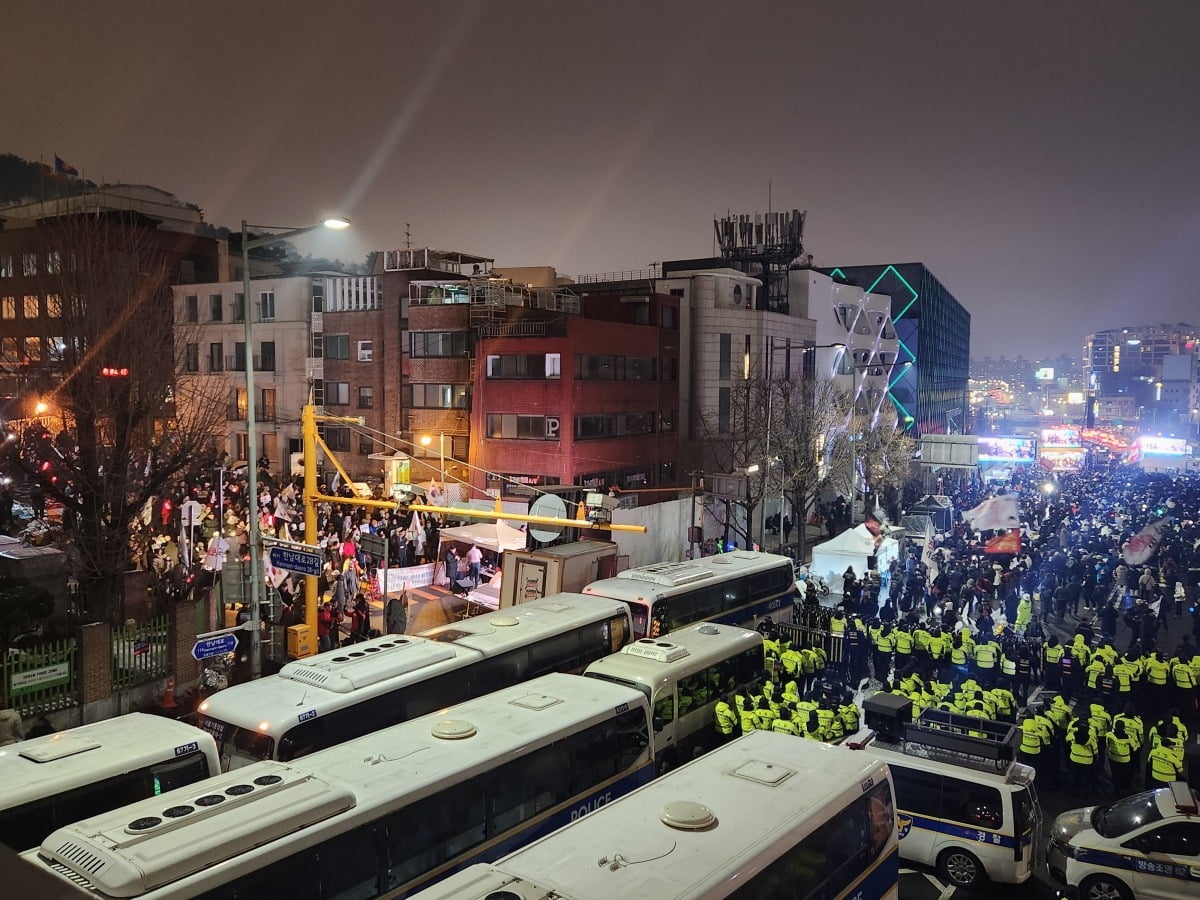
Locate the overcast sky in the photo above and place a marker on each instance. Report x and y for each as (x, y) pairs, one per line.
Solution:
(1041, 156)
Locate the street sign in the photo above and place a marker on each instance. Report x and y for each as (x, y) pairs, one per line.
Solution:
(208, 647)
(373, 544)
(302, 562)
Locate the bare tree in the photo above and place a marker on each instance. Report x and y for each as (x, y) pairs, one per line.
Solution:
(872, 455)
(123, 433)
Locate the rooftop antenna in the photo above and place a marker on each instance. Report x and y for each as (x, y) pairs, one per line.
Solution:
(407, 235)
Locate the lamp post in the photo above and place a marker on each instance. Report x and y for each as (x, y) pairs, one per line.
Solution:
(335, 223)
(427, 440)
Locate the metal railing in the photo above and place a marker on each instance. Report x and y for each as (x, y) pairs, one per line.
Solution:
(236, 413)
(42, 678)
(141, 652)
(654, 271)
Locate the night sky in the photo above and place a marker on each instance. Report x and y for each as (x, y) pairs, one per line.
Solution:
(1041, 156)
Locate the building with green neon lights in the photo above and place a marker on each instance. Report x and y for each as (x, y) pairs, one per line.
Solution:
(933, 330)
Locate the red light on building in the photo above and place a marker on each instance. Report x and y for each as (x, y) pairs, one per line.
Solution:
(114, 372)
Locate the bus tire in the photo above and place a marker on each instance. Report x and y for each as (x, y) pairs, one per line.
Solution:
(1104, 887)
(961, 868)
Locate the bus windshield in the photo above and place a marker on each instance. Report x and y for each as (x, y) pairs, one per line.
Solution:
(237, 746)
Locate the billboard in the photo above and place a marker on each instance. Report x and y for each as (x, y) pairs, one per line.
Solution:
(1008, 449)
(1064, 459)
(1162, 446)
(1061, 436)
(1046, 373)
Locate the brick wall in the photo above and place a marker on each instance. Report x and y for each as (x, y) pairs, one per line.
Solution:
(95, 662)
(182, 636)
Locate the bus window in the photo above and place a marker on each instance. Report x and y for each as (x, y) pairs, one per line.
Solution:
(639, 614)
(708, 603)
(307, 737)
(664, 711)
(618, 633)
(973, 804)
(632, 738)
(179, 772)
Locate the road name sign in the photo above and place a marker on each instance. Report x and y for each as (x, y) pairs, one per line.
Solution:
(219, 645)
(302, 562)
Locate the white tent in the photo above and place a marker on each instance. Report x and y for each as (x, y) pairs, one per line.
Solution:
(853, 547)
(495, 536)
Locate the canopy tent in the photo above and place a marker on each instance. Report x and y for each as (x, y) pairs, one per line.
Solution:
(854, 547)
(938, 508)
(495, 536)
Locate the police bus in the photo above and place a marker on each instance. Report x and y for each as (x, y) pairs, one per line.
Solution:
(683, 675)
(57, 779)
(381, 816)
(960, 810)
(342, 694)
(766, 817)
(733, 588)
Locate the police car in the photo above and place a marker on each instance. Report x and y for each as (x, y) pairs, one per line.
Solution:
(1145, 846)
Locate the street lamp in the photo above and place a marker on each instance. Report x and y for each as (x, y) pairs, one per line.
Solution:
(335, 223)
(427, 440)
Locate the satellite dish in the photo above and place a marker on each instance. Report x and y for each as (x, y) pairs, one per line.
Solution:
(551, 506)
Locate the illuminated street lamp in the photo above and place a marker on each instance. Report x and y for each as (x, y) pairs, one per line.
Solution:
(335, 223)
(427, 440)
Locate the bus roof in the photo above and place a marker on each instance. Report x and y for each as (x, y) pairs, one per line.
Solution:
(41, 767)
(655, 662)
(658, 579)
(320, 683)
(518, 625)
(755, 789)
(155, 842)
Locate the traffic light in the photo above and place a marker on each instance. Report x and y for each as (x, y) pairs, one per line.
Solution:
(114, 372)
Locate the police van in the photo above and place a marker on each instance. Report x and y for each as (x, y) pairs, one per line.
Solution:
(1145, 846)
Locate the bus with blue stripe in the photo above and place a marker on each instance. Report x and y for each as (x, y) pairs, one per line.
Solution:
(975, 823)
(730, 588)
(379, 816)
(768, 816)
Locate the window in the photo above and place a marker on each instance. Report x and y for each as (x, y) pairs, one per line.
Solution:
(1175, 839)
(239, 308)
(438, 396)
(318, 387)
(589, 428)
(508, 426)
(668, 316)
(666, 421)
(337, 346)
(6, 265)
(266, 360)
(636, 423)
(238, 364)
(266, 306)
(33, 348)
(366, 351)
(366, 445)
(191, 358)
(438, 343)
(318, 345)
(10, 349)
(337, 393)
(266, 406)
(240, 443)
(723, 411)
(30, 305)
(525, 365)
(726, 355)
(337, 437)
(53, 262)
(215, 313)
(614, 368)
(8, 307)
(976, 805)
(318, 295)
(366, 397)
(216, 360)
(191, 308)
(28, 263)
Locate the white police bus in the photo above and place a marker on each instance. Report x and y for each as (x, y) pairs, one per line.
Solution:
(342, 694)
(733, 588)
(766, 817)
(683, 675)
(60, 778)
(380, 816)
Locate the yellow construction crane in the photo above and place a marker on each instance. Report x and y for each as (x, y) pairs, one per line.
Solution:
(312, 440)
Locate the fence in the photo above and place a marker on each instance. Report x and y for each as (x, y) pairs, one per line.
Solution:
(141, 652)
(41, 679)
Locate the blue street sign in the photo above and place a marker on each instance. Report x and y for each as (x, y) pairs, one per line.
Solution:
(214, 646)
(299, 561)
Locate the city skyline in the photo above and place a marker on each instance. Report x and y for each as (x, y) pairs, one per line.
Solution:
(1034, 158)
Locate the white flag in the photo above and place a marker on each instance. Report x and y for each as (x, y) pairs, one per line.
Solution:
(999, 513)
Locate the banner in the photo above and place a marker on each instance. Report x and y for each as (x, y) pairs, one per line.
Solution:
(1004, 543)
(998, 513)
(1143, 545)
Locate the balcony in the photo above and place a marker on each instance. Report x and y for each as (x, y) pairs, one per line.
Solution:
(237, 364)
(236, 413)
